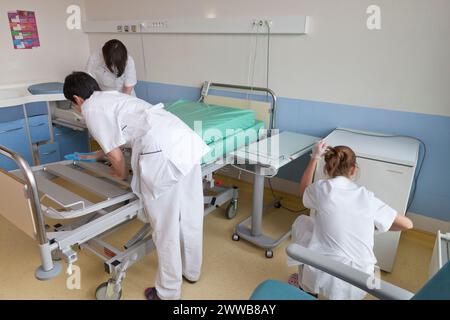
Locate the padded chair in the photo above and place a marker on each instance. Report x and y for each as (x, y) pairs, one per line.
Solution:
(437, 288)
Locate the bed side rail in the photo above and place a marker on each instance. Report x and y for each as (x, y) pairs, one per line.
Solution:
(26, 200)
(21, 206)
(364, 281)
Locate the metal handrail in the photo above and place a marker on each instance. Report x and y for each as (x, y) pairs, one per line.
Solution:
(32, 192)
(259, 89)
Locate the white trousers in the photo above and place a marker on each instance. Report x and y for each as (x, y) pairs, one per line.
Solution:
(177, 221)
(316, 281)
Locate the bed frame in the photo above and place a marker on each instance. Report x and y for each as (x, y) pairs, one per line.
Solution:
(28, 195)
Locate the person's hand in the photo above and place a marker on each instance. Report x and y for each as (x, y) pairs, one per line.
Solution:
(113, 173)
(319, 149)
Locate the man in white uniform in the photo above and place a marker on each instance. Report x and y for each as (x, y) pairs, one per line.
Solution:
(165, 160)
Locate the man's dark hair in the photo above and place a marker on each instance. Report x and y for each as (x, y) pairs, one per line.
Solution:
(115, 55)
(79, 84)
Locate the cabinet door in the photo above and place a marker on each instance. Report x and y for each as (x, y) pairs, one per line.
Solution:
(70, 140)
(11, 114)
(39, 128)
(391, 183)
(49, 153)
(36, 108)
(13, 136)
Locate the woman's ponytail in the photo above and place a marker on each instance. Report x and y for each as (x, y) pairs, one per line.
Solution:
(339, 161)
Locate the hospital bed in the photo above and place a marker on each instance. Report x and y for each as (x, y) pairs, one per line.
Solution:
(31, 196)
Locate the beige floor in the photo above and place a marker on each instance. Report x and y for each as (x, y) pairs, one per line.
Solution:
(231, 270)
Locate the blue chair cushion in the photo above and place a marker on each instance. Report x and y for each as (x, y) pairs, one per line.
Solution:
(46, 88)
(438, 287)
(277, 290)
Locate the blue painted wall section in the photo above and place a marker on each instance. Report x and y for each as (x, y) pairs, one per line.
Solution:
(432, 196)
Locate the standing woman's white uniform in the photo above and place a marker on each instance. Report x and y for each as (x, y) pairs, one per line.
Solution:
(344, 225)
(166, 157)
(113, 68)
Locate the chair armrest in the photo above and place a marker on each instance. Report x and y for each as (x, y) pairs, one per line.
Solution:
(385, 290)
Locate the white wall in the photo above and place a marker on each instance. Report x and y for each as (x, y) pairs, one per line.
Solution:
(405, 66)
(61, 50)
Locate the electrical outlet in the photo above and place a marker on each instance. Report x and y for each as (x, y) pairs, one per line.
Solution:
(268, 23)
(158, 24)
(258, 22)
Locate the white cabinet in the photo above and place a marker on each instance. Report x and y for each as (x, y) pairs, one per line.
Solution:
(386, 167)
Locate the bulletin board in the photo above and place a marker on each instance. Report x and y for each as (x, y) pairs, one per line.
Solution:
(24, 30)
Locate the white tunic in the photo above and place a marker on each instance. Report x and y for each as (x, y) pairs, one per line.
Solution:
(342, 229)
(163, 146)
(107, 80)
(167, 176)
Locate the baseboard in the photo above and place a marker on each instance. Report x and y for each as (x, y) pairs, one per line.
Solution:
(421, 222)
(428, 224)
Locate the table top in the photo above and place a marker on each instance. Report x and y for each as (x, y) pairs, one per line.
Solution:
(277, 150)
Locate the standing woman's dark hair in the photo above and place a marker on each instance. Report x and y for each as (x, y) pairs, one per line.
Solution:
(115, 55)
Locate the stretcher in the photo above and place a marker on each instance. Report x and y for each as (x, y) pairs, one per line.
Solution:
(31, 196)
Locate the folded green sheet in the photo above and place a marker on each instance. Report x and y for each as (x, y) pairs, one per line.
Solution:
(233, 142)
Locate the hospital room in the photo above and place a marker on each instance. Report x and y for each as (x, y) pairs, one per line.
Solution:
(251, 152)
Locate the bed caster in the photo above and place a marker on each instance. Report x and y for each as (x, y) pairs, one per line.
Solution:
(269, 254)
(231, 209)
(235, 237)
(106, 291)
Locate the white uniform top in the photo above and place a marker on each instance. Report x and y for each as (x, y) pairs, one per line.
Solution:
(164, 148)
(107, 80)
(343, 229)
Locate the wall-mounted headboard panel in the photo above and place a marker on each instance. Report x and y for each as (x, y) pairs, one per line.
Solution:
(295, 25)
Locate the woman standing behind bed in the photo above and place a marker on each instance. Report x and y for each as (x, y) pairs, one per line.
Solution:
(113, 68)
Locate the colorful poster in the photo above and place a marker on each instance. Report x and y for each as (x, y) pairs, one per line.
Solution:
(23, 29)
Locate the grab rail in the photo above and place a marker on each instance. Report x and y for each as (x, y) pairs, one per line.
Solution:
(259, 89)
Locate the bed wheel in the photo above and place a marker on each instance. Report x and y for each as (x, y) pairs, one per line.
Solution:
(231, 209)
(269, 254)
(235, 237)
(101, 293)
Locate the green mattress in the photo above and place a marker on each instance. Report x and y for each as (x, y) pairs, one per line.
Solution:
(224, 129)
(217, 122)
(232, 142)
